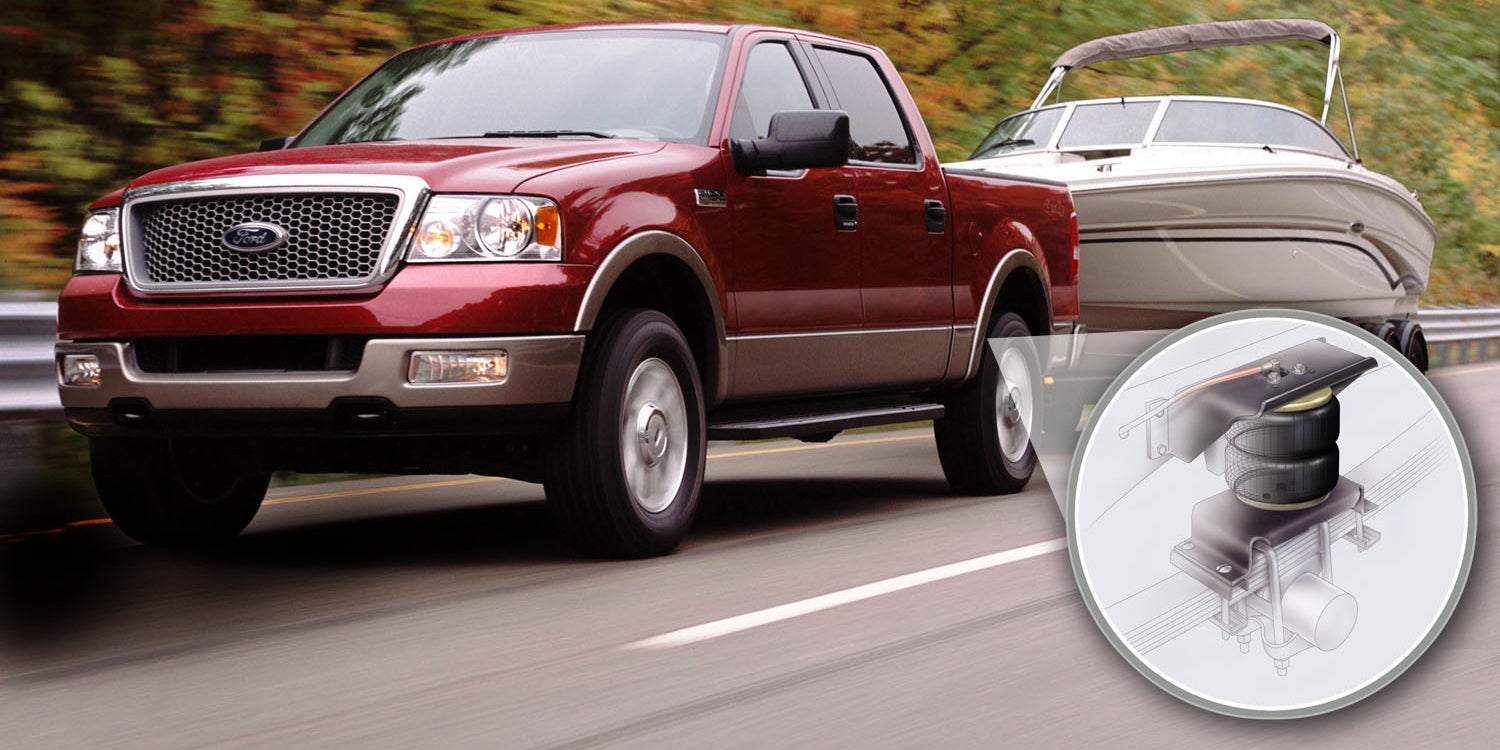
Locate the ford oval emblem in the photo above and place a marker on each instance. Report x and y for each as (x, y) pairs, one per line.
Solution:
(254, 237)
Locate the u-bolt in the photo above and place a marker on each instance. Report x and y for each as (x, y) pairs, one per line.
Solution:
(1273, 584)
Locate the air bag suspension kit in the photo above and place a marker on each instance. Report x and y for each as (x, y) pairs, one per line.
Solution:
(1264, 545)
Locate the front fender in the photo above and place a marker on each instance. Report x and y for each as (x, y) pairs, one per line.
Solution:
(656, 242)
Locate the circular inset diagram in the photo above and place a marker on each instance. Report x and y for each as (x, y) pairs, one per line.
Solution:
(1271, 514)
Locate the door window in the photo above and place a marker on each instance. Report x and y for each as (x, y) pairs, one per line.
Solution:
(877, 132)
(772, 83)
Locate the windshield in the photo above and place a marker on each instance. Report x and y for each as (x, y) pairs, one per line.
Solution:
(1027, 131)
(1107, 124)
(1246, 123)
(655, 85)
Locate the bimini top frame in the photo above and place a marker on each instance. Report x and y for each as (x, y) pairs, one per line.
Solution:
(1204, 36)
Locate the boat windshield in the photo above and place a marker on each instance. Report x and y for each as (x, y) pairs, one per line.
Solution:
(618, 83)
(1189, 121)
(1091, 127)
(1104, 127)
(1113, 124)
(1027, 131)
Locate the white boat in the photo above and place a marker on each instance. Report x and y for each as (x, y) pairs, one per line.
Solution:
(1194, 205)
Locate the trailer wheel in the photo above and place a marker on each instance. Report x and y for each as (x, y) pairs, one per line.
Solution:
(1413, 344)
(624, 477)
(984, 440)
(168, 493)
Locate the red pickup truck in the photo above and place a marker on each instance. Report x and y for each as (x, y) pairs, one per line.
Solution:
(569, 255)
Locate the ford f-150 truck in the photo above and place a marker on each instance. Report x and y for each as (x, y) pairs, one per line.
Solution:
(569, 255)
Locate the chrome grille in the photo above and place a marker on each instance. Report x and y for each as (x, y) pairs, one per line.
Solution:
(331, 236)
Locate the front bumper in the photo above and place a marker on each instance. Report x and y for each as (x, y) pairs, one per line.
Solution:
(543, 370)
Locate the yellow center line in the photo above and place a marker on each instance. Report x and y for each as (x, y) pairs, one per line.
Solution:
(378, 490)
(475, 480)
(28, 534)
(817, 446)
(1446, 371)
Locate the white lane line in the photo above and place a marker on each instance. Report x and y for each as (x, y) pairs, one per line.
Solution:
(730, 625)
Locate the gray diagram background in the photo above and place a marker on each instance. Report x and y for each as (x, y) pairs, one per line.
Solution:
(1126, 518)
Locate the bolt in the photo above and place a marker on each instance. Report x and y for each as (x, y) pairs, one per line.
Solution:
(1245, 644)
(1271, 369)
(1281, 665)
(1299, 369)
(1224, 569)
(1161, 450)
(1186, 545)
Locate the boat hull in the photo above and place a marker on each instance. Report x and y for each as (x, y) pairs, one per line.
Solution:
(1163, 253)
(1175, 278)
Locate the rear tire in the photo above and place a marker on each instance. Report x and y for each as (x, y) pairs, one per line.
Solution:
(168, 493)
(625, 474)
(983, 441)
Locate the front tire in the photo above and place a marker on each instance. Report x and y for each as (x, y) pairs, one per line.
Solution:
(168, 494)
(984, 440)
(625, 475)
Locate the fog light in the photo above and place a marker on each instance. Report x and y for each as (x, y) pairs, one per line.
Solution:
(426, 368)
(81, 370)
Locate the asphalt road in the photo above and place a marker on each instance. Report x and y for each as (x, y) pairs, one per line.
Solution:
(816, 605)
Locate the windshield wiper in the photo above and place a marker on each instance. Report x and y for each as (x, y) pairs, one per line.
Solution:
(1003, 143)
(545, 134)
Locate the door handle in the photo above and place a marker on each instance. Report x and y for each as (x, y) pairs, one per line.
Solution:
(937, 216)
(845, 213)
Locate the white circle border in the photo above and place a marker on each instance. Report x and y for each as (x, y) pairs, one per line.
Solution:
(1357, 693)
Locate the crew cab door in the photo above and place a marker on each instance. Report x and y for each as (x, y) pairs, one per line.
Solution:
(794, 272)
(905, 239)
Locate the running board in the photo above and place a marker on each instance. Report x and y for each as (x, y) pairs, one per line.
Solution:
(819, 424)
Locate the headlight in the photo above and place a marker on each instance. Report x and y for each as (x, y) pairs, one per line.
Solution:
(99, 245)
(485, 227)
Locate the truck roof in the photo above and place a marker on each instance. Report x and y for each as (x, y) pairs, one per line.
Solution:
(713, 27)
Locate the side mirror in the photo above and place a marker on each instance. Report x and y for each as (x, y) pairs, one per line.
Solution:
(275, 144)
(796, 140)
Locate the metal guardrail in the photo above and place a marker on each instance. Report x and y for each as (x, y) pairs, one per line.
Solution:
(28, 380)
(1443, 324)
(28, 383)
(1459, 335)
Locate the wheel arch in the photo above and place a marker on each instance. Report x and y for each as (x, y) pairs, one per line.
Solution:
(652, 269)
(1018, 284)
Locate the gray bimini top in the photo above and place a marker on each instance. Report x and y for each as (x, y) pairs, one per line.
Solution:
(1194, 36)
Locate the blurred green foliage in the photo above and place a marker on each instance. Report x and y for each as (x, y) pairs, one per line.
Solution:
(95, 92)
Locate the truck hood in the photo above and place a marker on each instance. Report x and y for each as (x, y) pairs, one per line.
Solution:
(484, 165)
